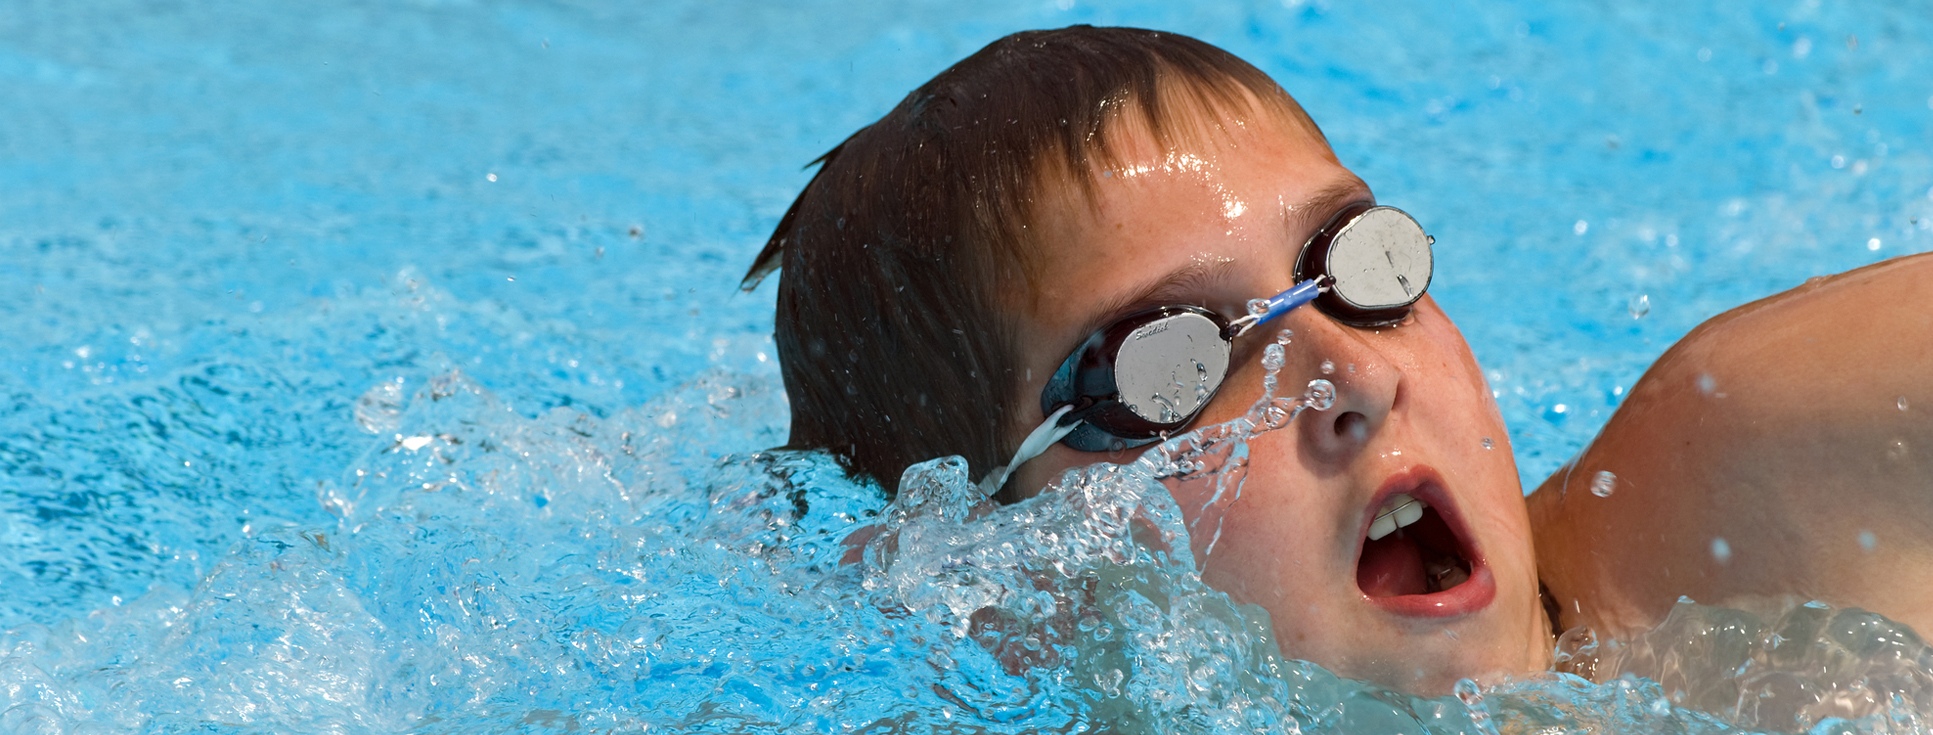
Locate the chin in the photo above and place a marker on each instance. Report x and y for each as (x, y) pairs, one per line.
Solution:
(1430, 664)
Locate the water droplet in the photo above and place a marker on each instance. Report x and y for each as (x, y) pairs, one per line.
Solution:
(1168, 413)
(1872, 244)
(1902, 403)
(1275, 415)
(1721, 550)
(1706, 383)
(1604, 484)
(1258, 307)
(1329, 368)
(1488, 444)
(1581, 227)
(1640, 306)
(1321, 395)
(1471, 695)
(1469, 692)
(1283, 337)
(491, 177)
(1272, 358)
(1868, 541)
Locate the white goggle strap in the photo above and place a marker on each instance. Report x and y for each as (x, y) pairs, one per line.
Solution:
(1043, 436)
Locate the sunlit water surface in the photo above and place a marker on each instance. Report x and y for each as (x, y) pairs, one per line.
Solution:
(375, 367)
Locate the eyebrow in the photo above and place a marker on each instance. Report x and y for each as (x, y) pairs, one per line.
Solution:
(1300, 222)
(1168, 289)
(1303, 218)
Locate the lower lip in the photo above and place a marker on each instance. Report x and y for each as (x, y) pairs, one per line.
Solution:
(1474, 594)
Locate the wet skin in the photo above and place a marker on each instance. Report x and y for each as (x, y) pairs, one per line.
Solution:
(1218, 219)
(1777, 427)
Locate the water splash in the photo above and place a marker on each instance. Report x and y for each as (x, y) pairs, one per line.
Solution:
(1786, 667)
(1221, 452)
(562, 571)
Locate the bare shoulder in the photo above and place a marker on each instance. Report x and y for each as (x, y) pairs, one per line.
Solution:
(1782, 449)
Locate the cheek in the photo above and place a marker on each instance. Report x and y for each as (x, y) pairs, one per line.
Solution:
(1443, 368)
(1258, 517)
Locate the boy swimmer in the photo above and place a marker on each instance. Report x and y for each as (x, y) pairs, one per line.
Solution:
(964, 273)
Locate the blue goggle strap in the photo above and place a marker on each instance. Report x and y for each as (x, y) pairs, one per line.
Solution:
(1261, 311)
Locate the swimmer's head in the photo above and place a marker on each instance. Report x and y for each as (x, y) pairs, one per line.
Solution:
(948, 258)
(909, 255)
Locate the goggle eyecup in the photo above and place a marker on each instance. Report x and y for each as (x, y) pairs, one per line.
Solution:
(1316, 261)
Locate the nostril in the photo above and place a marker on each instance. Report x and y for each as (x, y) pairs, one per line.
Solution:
(1352, 426)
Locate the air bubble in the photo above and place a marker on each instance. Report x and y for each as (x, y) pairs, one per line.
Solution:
(1868, 541)
(1902, 403)
(1604, 484)
(1706, 383)
(1258, 308)
(1488, 444)
(1721, 550)
(1640, 306)
(1329, 368)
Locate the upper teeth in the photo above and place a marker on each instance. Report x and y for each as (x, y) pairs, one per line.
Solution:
(1398, 511)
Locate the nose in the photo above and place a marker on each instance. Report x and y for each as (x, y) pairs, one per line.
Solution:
(1368, 386)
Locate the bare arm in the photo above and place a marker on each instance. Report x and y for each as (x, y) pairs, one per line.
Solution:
(1766, 455)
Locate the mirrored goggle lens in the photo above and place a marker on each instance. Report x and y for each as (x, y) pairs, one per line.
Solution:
(1167, 369)
(1380, 261)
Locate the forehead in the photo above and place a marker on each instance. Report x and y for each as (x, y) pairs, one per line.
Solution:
(1224, 189)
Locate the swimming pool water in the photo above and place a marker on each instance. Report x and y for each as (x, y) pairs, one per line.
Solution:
(377, 366)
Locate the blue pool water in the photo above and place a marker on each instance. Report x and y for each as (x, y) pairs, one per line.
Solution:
(377, 367)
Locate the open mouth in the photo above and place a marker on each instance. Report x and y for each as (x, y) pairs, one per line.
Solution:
(1410, 550)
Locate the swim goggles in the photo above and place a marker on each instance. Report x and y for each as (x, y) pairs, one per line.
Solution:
(1149, 374)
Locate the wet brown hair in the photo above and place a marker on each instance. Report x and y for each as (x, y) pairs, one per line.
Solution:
(891, 339)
